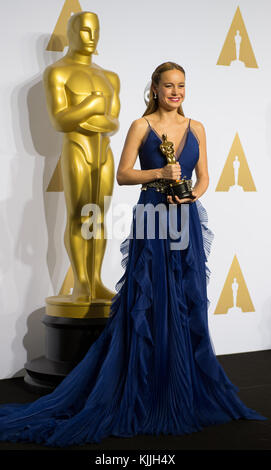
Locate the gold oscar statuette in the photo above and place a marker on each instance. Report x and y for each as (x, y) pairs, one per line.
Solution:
(183, 187)
(83, 104)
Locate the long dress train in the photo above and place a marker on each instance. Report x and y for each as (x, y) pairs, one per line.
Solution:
(153, 369)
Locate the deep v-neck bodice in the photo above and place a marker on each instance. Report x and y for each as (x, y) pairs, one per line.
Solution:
(187, 153)
(181, 145)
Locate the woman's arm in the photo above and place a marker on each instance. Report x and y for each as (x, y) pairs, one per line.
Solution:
(126, 173)
(201, 167)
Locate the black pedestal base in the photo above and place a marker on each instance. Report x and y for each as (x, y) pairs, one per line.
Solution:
(67, 340)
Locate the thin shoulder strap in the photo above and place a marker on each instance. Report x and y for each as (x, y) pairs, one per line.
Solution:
(189, 124)
(147, 121)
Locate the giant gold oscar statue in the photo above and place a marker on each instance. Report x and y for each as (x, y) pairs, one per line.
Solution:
(83, 104)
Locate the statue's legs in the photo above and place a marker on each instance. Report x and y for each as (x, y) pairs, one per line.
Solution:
(76, 174)
(97, 246)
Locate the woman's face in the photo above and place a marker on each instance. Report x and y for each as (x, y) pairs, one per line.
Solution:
(171, 89)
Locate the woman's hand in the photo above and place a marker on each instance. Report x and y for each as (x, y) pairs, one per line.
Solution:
(178, 201)
(171, 171)
(195, 194)
(183, 201)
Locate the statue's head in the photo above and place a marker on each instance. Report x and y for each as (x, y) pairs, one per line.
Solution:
(83, 32)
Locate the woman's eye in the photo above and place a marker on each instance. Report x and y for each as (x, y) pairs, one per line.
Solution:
(180, 86)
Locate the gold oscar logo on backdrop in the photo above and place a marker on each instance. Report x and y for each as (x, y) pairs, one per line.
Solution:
(58, 39)
(236, 176)
(237, 50)
(234, 297)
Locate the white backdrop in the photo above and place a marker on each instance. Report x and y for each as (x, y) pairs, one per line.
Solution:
(232, 99)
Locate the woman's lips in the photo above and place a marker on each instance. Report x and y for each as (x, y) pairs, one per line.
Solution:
(174, 99)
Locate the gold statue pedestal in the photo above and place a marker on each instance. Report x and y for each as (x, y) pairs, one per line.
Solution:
(70, 329)
(63, 306)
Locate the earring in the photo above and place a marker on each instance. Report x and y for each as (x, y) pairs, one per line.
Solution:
(155, 96)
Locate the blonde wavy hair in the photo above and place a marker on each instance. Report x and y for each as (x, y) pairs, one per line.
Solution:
(156, 76)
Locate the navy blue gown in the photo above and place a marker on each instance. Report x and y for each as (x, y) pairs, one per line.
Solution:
(153, 369)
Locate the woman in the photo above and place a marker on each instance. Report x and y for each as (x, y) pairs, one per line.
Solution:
(152, 370)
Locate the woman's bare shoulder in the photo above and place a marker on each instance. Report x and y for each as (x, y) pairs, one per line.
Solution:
(197, 125)
(139, 126)
(140, 123)
(198, 130)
